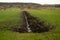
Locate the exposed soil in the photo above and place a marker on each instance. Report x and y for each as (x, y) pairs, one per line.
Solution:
(35, 25)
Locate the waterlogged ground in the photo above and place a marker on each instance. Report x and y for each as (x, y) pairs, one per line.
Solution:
(12, 18)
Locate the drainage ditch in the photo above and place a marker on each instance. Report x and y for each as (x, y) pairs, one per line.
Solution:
(32, 24)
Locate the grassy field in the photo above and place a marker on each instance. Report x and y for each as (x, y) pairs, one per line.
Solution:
(12, 18)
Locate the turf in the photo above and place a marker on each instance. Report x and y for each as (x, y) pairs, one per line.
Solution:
(12, 17)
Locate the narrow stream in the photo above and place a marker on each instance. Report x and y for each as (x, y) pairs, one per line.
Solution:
(29, 30)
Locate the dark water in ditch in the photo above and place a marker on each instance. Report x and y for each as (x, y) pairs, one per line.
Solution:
(32, 24)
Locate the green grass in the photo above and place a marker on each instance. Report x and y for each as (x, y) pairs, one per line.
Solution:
(8, 35)
(12, 17)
